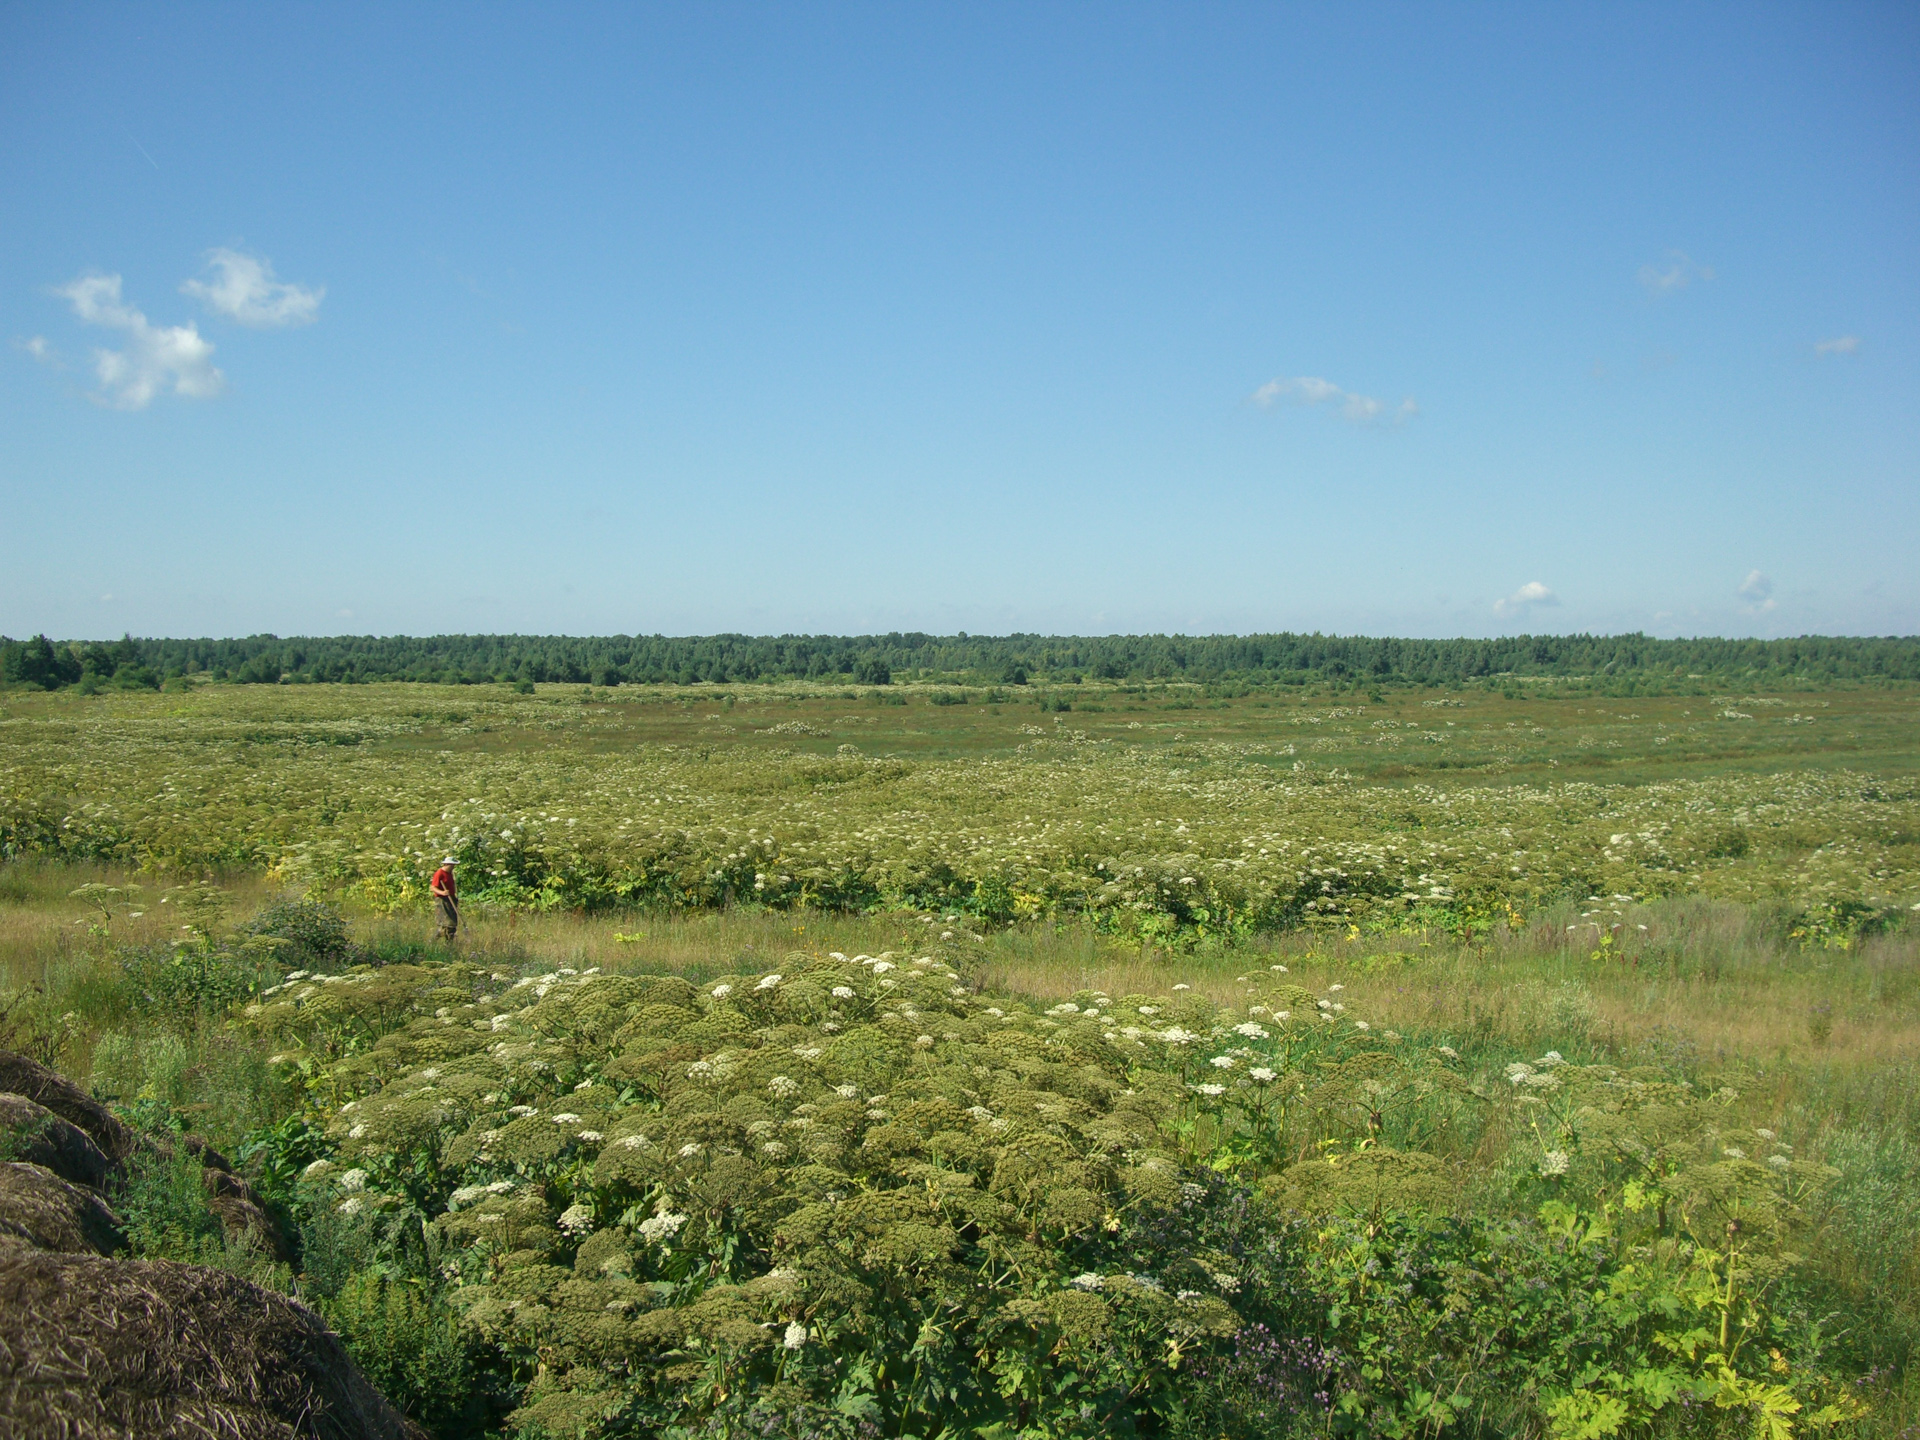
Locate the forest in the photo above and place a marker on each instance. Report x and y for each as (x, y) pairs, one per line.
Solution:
(1279, 659)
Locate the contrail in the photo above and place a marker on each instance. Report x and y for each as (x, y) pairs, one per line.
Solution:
(143, 150)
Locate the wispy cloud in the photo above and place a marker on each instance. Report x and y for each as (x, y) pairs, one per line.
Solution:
(39, 349)
(1676, 273)
(1529, 597)
(156, 357)
(1839, 345)
(1357, 408)
(242, 288)
(1756, 593)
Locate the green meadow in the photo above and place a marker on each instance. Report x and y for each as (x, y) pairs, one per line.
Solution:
(1045, 1060)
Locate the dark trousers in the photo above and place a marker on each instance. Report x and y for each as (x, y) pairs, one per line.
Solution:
(448, 910)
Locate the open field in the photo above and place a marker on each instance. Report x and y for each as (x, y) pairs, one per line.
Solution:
(1153, 811)
(1588, 1130)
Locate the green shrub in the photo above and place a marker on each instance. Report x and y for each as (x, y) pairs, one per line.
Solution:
(162, 1204)
(413, 1349)
(314, 935)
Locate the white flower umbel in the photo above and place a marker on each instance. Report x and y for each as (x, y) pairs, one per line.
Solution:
(658, 1229)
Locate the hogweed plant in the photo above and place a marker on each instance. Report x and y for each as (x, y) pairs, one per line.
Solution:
(1200, 838)
(850, 1195)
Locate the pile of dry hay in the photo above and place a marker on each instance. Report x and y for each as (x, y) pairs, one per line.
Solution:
(92, 1346)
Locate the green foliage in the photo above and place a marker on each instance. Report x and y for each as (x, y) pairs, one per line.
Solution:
(853, 1195)
(186, 979)
(275, 1156)
(1200, 838)
(37, 663)
(43, 665)
(163, 1206)
(34, 1023)
(314, 935)
(202, 1069)
(412, 1347)
(723, 659)
(207, 970)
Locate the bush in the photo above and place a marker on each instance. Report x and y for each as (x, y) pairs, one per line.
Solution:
(853, 1196)
(413, 1349)
(186, 980)
(162, 1204)
(314, 935)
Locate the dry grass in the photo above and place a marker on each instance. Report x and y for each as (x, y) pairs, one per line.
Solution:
(46, 933)
(96, 1348)
(40, 1210)
(1718, 980)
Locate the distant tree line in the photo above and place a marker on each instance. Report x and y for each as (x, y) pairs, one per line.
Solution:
(998, 659)
(43, 664)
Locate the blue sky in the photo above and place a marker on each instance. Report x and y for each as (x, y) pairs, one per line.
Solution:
(1413, 319)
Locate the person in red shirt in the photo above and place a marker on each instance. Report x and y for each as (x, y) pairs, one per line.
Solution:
(446, 900)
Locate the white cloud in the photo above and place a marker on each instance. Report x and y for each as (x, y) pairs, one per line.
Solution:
(1839, 345)
(1676, 273)
(1756, 593)
(40, 350)
(156, 357)
(1311, 390)
(1530, 596)
(243, 289)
